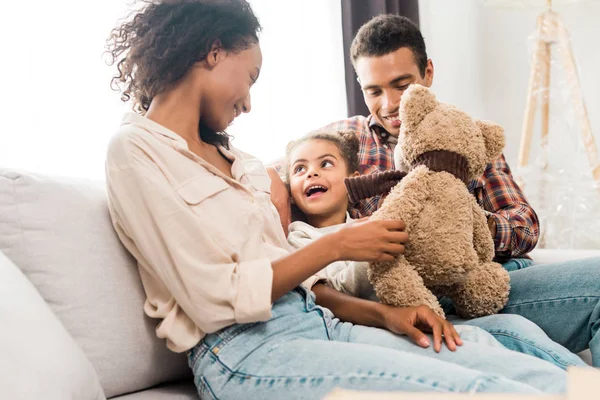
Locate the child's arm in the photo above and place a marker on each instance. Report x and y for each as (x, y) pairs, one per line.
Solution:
(403, 321)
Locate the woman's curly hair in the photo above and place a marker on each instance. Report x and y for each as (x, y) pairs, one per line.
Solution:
(158, 44)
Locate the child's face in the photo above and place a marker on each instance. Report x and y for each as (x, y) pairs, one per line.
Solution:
(317, 173)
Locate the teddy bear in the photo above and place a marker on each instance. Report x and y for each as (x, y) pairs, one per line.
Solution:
(450, 249)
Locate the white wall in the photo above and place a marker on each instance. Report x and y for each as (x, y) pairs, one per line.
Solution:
(481, 57)
(301, 85)
(453, 43)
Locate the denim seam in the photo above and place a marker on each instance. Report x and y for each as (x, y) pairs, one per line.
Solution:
(318, 309)
(551, 301)
(532, 344)
(208, 388)
(326, 323)
(393, 376)
(198, 354)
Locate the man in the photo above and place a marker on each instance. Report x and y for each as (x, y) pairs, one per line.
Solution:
(388, 54)
(385, 69)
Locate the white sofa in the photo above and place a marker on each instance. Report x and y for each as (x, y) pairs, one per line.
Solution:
(93, 340)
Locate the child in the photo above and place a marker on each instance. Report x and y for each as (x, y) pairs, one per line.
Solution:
(315, 171)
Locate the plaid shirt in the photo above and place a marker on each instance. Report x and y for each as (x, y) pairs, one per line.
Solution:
(517, 225)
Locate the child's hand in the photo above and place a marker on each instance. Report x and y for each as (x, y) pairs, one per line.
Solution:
(413, 321)
(366, 240)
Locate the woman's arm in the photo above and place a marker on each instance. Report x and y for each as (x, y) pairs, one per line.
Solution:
(410, 321)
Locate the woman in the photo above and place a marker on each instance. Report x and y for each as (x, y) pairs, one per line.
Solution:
(213, 258)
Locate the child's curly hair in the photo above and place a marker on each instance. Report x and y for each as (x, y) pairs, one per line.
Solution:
(158, 44)
(346, 142)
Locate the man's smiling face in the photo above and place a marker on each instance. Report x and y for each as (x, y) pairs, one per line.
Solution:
(384, 79)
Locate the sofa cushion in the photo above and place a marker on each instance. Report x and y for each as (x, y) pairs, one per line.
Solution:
(38, 357)
(58, 231)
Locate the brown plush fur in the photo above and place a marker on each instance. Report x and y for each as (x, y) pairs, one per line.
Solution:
(450, 248)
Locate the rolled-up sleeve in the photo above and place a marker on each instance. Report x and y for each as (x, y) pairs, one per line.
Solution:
(177, 247)
(253, 301)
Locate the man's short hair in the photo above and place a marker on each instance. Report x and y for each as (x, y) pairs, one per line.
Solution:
(387, 33)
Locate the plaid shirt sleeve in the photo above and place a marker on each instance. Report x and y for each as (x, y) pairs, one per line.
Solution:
(517, 225)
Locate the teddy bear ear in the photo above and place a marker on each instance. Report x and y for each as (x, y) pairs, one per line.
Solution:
(493, 134)
(417, 101)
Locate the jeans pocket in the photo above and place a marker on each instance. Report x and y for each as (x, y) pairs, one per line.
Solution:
(231, 345)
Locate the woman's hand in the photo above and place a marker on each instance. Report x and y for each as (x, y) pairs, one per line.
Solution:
(413, 321)
(365, 240)
(281, 199)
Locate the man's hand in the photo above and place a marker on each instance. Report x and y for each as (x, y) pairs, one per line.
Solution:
(413, 321)
(281, 199)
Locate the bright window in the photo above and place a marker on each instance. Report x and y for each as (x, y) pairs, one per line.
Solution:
(58, 111)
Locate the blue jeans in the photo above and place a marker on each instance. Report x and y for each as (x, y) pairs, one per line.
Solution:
(517, 263)
(303, 352)
(562, 299)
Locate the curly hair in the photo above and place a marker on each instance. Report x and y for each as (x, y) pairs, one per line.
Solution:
(158, 44)
(387, 33)
(346, 142)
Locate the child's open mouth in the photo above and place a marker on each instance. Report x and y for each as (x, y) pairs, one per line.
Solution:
(315, 191)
